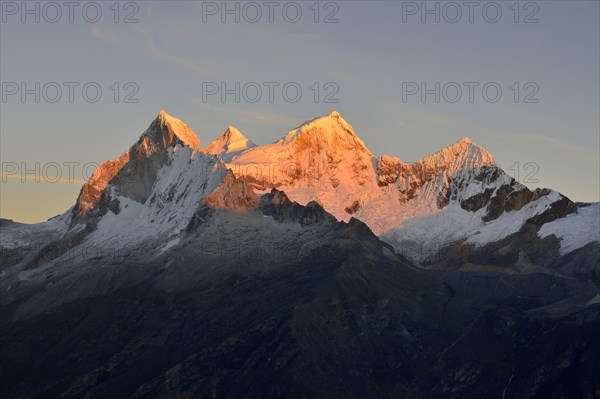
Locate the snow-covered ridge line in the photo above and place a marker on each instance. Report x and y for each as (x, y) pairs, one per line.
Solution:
(330, 134)
(575, 230)
(154, 189)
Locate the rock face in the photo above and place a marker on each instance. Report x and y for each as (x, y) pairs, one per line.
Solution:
(490, 222)
(93, 189)
(234, 194)
(138, 164)
(526, 250)
(278, 206)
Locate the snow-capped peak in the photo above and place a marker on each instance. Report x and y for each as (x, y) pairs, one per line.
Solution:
(329, 129)
(233, 133)
(464, 154)
(162, 114)
(335, 114)
(334, 118)
(175, 129)
(229, 143)
(164, 132)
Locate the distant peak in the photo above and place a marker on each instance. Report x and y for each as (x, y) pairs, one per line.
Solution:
(232, 133)
(177, 128)
(467, 142)
(166, 118)
(231, 140)
(332, 117)
(463, 154)
(332, 122)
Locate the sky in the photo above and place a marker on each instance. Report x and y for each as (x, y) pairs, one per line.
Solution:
(521, 80)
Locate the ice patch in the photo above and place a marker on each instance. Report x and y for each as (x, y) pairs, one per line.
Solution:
(575, 230)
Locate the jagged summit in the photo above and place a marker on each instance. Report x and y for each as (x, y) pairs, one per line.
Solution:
(233, 132)
(166, 130)
(162, 115)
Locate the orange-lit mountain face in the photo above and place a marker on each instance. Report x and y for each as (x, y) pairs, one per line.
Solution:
(164, 132)
(322, 160)
(229, 144)
(93, 189)
(325, 161)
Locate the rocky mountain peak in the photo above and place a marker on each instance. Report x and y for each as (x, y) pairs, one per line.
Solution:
(166, 131)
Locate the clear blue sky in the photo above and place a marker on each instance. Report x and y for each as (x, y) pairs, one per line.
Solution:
(368, 54)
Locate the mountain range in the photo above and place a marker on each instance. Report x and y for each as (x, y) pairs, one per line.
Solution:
(308, 267)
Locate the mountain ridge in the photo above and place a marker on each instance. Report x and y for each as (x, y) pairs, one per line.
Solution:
(165, 176)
